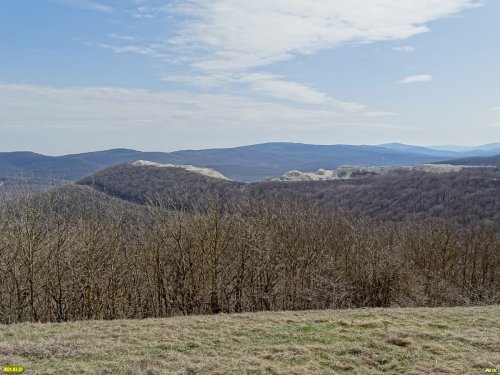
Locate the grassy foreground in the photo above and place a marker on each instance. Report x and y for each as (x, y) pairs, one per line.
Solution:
(366, 341)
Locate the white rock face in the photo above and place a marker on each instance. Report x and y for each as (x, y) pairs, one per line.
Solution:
(348, 172)
(437, 168)
(320, 175)
(209, 172)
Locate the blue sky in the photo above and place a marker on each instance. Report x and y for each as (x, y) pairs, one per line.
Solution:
(82, 75)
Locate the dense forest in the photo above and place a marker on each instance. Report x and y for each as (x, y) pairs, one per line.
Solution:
(75, 253)
(468, 196)
(493, 160)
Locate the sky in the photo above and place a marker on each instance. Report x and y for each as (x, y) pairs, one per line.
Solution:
(86, 75)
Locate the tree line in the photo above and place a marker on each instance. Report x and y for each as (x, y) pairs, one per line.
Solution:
(74, 253)
(469, 196)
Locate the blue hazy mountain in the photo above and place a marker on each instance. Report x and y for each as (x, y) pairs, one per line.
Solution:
(483, 150)
(245, 163)
(493, 160)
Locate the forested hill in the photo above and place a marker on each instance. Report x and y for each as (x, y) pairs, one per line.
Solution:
(467, 196)
(476, 160)
(141, 183)
(247, 247)
(244, 163)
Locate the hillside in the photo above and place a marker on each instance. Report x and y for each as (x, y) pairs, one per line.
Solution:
(366, 341)
(483, 150)
(477, 161)
(452, 151)
(254, 163)
(140, 183)
(245, 163)
(14, 185)
(466, 196)
(31, 164)
(206, 246)
(350, 172)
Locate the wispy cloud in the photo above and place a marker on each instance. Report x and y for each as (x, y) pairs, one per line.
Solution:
(379, 114)
(495, 108)
(149, 12)
(86, 5)
(241, 34)
(224, 41)
(125, 38)
(404, 49)
(133, 48)
(38, 107)
(421, 78)
(269, 84)
(201, 80)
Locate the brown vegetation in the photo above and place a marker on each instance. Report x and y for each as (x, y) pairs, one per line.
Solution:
(467, 197)
(74, 253)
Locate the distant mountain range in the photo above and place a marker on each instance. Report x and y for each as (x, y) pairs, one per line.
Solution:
(476, 161)
(246, 163)
(472, 150)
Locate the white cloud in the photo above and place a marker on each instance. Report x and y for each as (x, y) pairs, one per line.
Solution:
(33, 107)
(126, 38)
(495, 108)
(240, 34)
(133, 48)
(233, 37)
(148, 12)
(269, 85)
(202, 80)
(222, 41)
(45, 106)
(274, 86)
(379, 114)
(416, 79)
(86, 5)
(404, 48)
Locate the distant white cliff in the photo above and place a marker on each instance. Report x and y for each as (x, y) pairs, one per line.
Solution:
(209, 172)
(321, 174)
(348, 172)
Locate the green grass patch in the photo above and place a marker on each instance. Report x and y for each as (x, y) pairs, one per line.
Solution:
(365, 341)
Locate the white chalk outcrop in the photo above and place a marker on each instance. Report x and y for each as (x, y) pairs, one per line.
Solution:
(348, 172)
(320, 175)
(209, 172)
(438, 168)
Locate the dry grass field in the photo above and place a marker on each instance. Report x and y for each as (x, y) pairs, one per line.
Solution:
(365, 341)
